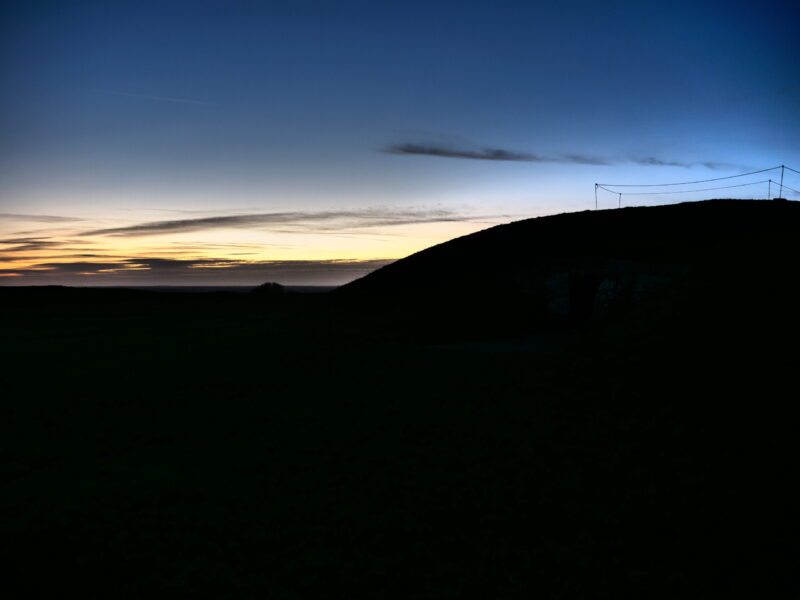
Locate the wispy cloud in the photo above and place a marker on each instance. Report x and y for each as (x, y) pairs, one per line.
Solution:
(497, 154)
(500, 154)
(299, 220)
(75, 267)
(26, 244)
(171, 99)
(651, 161)
(38, 218)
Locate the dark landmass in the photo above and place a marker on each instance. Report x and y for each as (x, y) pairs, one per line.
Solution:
(504, 258)
(594, 405)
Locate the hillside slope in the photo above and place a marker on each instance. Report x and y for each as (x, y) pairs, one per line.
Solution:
(590, 264)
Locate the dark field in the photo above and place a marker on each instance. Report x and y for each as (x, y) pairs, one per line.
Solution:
(228, 445)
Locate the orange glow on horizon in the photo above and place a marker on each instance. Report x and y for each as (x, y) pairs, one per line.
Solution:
(134, 248)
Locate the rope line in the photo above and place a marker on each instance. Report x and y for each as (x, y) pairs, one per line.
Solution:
(692, 182)
(607, 187)
(724, 187)
(791, 169)
(786, 187)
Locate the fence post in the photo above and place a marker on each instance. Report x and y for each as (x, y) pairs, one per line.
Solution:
(781, 194)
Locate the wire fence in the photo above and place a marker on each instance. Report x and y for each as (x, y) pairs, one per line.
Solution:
(770, 186)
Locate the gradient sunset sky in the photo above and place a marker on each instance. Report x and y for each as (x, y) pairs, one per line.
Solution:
(236, 142)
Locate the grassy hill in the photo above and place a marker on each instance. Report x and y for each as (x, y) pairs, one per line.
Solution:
(578, 268)
(690, 233)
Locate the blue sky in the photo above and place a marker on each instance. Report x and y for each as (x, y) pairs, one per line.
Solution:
(369, 123)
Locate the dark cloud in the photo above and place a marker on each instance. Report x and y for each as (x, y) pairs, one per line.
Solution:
(161, 271)
(21, 240)
(500, 154)
(40, 244)
(650, 161)
(38, 218)
(78, 267)
(491, 154)
(63, 256)
(26, 244)
(717, 166)
(304, 221)
(580, 159)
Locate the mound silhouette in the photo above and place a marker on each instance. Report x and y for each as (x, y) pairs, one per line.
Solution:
(591, 264)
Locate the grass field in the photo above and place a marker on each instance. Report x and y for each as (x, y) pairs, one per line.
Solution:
(231, 446)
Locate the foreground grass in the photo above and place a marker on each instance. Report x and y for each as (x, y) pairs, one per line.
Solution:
(292, 449)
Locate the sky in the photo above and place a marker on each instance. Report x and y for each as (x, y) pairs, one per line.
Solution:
(234, 142)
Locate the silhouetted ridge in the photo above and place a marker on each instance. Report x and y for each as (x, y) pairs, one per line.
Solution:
(590, 263)
(679, 232)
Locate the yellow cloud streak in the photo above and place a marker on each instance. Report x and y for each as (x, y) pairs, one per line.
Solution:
(366, 243)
